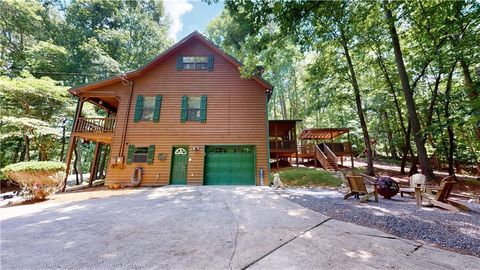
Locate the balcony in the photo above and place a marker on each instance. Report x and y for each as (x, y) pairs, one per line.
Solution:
(95, 129)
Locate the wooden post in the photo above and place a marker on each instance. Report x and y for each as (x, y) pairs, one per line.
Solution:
(93, 165)
(295, 142)
(418, 196)
(278, 166)
(71, 144)
(351, 149)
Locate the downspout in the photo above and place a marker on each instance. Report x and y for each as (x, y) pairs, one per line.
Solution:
(268, 135)
(122, 145)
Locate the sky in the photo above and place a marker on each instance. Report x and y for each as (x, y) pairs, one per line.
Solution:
(190, 15)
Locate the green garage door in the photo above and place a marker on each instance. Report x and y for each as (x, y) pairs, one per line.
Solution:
(230, 165)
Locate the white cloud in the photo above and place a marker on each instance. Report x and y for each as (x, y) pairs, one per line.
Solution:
(175, 9)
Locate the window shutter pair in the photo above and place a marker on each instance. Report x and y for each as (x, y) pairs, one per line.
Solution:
(210, 62)
(131, 151)
(156, 112)
(151, 154)
(203, 109)
(139, 108)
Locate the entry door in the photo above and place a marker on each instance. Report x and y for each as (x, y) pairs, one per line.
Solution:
(179, 166)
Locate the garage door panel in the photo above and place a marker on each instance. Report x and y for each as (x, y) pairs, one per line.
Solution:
(230, 165)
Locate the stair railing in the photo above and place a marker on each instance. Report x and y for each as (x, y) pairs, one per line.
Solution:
(330, 156)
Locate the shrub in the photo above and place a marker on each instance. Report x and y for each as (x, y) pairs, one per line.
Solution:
(38, 179)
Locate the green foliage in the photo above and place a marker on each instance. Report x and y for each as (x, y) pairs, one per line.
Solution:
(47, 47)
(38, 179)
(35, 166)
(307, 177)
(301, 44)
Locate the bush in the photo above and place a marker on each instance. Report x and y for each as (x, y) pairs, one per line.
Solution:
(38, 179)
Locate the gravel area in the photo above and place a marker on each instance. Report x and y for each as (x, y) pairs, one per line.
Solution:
(399, 216)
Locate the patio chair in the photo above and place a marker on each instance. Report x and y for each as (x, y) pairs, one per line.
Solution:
(416, 180)
(440, 199)
(358, 188)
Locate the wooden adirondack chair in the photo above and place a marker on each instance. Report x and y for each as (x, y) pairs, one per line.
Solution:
(415, 180)
(358, 187)
(440, 199)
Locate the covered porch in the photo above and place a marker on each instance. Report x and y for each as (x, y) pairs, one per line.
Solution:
(283, 139)
(97, 130)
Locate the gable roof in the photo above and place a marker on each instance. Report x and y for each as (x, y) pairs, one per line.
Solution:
(142, 70)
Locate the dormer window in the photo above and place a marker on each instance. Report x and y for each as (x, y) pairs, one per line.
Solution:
(195, 63)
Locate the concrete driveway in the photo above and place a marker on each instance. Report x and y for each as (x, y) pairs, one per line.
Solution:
(201, 228)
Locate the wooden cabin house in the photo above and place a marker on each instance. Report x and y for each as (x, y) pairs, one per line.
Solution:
(187, 117)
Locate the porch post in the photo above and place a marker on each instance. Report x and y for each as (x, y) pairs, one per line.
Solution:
(71, 144)
(295, 141)
(351, 149)
(93, 166)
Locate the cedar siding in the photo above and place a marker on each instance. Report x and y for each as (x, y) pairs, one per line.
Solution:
(235, 115)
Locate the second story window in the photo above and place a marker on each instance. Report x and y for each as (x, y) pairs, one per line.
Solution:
(194, 108)
(195, 63)
(147, 108)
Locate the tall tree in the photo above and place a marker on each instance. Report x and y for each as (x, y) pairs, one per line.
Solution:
(412, 110)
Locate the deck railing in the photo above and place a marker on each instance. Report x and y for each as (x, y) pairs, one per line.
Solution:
(95, 125)
(283, 145)
(330, 155)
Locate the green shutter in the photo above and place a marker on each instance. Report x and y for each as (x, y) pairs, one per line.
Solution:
(151, 154)
(183, 117)
(156, 112)
(203, 109)
(138, 109)
(179, 62)
(131, 151)
(210, 63)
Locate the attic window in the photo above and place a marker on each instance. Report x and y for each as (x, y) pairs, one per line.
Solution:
(195, 63)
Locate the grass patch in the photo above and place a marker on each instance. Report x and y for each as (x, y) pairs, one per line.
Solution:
(305, 177)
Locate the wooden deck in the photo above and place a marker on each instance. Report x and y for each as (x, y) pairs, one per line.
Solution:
(95, 129)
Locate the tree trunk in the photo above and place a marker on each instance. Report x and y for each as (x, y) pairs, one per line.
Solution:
(17, 151)
(358, 102)
(468, 79)
(412, 111)
(391, 143)
(283, 107)
(78, 161)
(451, 138)
(63, 141)
(413, 167)
(26, 142)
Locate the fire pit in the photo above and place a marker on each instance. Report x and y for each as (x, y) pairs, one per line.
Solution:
(387, 187)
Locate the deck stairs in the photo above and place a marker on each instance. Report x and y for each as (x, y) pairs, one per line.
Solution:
(326, 157)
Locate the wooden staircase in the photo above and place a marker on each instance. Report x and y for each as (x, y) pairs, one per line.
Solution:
(327, 158)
